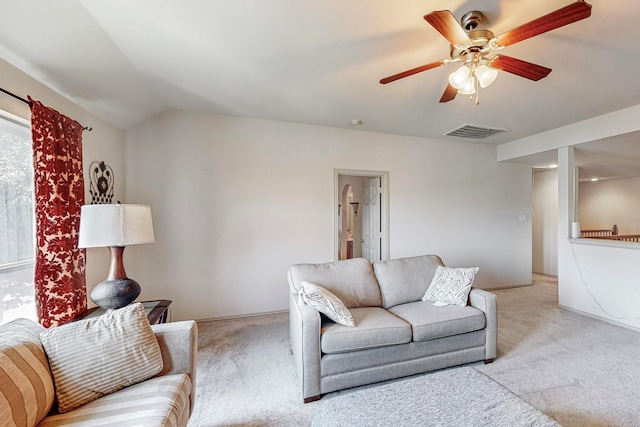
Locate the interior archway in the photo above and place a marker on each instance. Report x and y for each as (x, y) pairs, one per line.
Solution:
(346, 223)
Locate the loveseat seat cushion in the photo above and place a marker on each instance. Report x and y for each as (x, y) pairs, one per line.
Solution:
(26, 384)
(160, 401)
(375, 327)
(430, 322)
(351, 280)
(405, 280)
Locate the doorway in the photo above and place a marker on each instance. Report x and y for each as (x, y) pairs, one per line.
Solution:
(362, 215)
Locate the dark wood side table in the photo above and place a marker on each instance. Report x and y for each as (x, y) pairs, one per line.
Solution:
(157, 311)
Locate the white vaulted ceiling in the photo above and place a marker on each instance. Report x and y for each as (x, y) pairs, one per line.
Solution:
(318, 62)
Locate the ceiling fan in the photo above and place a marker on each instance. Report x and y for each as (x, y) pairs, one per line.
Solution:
(478, 48)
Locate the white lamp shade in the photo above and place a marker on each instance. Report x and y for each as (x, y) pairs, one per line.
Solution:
(115, 225)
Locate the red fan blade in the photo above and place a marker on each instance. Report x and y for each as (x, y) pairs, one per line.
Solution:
(448, 26)
(449, 93)
(561, 17)
(519, 67)
(412, 72)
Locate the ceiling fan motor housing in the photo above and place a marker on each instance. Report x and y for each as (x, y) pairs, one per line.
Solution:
(479, 41)
(471, 20)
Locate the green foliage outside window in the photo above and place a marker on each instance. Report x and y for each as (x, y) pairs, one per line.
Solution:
(16, 222)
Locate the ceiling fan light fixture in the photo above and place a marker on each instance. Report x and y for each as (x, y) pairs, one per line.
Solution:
(458, 78)
(478, 47)
(469, 87)
(486, 75)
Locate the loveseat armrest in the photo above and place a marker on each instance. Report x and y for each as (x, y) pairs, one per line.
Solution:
(179, 346)
(488, 303)
(304, 333)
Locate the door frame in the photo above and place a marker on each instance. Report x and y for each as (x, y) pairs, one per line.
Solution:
(384, 215)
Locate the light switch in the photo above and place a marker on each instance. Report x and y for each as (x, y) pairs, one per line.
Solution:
(522, 218)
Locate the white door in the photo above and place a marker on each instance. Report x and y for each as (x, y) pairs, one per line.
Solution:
(371, 220)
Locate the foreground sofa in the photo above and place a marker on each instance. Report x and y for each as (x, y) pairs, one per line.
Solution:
(27, 387)
(396, 333)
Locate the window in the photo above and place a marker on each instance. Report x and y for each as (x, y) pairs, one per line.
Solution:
(17, 235)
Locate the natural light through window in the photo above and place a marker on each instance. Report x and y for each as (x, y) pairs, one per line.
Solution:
(16, 220)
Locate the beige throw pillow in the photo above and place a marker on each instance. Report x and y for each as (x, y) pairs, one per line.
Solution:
(327, 303)
(94, 357)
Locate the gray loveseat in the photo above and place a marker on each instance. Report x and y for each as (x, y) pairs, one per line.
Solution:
(396, 333)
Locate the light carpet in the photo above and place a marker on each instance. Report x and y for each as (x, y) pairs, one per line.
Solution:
(462, 397)
(246, 376)
(577, 370)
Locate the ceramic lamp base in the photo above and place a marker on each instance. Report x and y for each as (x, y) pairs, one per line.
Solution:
(117, 293)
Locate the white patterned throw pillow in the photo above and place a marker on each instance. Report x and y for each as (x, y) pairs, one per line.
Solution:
(450, 286)
(325, 302)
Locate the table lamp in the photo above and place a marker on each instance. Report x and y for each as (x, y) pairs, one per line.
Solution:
(115, 226)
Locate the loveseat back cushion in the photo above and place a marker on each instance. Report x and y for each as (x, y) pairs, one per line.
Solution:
(351, 280)
(26, 385)
(430, 322)
(405, 280)
(375, 327)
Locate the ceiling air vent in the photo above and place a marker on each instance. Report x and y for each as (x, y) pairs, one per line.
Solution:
(475, 131)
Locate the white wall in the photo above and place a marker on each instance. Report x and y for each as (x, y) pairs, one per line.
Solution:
(236, 201)
(104, 142)
(596, 278)
(605, 203)
(600, 127)
(545, 222)
(599, 279)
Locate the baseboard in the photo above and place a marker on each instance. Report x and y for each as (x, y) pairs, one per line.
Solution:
(507, 287)
(603, 319)
(546, 275)
(241, 316)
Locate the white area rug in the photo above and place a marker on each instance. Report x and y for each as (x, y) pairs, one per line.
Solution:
(457, 397)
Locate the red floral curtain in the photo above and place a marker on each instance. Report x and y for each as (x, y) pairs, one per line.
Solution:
(59, 193)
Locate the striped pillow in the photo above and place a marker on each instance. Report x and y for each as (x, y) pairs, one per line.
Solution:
(97, 356)
(26, 386)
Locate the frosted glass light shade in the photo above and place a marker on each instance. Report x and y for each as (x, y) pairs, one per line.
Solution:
(486, 75)
(115, 225)
(469, 87)
(457, 79)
